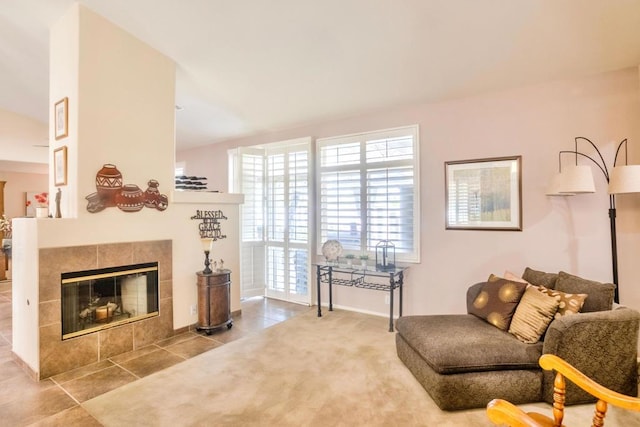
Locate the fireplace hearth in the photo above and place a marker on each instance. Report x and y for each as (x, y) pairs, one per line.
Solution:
(93, 300)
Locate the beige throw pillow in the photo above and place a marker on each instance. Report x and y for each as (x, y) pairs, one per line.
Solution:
(533, 315)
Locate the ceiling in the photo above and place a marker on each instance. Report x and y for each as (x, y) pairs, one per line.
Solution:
(251, 66)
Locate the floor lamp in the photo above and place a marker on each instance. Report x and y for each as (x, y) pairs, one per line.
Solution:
(578, 179)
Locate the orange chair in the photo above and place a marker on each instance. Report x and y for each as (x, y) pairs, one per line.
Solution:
(501, 412)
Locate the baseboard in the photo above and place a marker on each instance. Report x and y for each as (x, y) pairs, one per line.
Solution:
(35, 376)
(358, 310)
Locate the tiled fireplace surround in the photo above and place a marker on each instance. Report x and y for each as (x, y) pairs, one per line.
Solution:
(57, 356)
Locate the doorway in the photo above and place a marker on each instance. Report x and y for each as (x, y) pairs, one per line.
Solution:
(275, 219)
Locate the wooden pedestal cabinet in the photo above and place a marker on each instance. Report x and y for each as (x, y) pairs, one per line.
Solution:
(214, 301)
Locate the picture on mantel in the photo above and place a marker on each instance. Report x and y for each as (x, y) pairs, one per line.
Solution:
(112, 192)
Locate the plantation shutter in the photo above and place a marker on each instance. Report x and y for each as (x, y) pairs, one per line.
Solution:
(368, 191)
(252, 246)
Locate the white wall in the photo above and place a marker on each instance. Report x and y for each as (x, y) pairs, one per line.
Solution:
(570, 234)
(20, 137)
(121, 111)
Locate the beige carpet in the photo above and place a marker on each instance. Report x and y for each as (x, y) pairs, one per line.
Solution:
(338, 370)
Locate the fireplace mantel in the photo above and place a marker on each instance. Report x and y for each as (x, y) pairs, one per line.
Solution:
(207, 197)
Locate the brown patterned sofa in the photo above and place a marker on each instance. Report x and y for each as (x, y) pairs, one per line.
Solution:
(463, 361)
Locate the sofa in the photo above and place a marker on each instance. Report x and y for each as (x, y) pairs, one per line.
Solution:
(465, 360)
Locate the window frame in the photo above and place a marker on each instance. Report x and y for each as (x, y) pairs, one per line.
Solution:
(363, 167)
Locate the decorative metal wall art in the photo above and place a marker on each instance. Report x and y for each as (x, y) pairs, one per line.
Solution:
(209, 227)
(111, 192)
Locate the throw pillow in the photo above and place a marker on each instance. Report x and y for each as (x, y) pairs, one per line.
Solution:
(569, 303)
(600, 295)
(507, 275)
(493, 278)
(533, 315)
(540, 278)
(497, 301)
(511, 276)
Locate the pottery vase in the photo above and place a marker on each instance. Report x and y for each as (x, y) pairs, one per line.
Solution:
(94, 203)
(152, 195)
(130, 198)
(108, 184)
(163, 202)
(42, 212)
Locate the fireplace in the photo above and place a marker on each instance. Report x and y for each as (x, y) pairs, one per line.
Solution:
(93, 300)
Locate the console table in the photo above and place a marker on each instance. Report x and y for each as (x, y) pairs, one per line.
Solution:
(357, 277)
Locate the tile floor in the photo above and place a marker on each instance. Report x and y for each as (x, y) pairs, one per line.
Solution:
(56, 401)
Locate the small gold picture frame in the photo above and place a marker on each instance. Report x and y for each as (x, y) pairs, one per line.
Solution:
(61, 115)
(60, 166)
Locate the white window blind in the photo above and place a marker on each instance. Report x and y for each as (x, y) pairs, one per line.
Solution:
(275, 197)
(299, 197)
(252, 188)
(368, 191)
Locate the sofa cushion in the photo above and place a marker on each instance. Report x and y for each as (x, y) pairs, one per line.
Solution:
(533, 315)
(470, 389)
(600, 295)
(540, 278)
(497, 302)
(458, 343)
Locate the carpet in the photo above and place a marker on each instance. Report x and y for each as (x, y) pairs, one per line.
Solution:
(338, 370)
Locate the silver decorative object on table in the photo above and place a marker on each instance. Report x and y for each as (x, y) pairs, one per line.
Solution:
(332, 249)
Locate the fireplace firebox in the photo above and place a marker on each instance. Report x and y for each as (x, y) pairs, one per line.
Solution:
(94, 300)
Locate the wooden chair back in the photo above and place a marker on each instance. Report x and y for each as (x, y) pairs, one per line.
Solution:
(501, 412)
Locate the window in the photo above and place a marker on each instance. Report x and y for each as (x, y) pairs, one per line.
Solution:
(368, 191)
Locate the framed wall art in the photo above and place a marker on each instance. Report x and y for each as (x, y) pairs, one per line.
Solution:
(484, 194)
(60, 166)
(61, 116)
(36, 200)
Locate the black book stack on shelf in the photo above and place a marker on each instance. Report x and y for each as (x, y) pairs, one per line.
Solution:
(191, 183)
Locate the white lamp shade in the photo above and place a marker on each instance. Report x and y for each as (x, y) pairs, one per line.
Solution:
(206, 243)
(555, 186)
(625, 179)
(576, 179)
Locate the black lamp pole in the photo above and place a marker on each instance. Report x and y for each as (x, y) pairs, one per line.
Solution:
(612, 204)
(614, 245)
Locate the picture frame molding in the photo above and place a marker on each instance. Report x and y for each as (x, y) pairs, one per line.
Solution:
(61, 118)
(60, 166)
(514, 221)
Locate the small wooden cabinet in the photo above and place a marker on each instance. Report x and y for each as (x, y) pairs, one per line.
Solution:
(214, 300)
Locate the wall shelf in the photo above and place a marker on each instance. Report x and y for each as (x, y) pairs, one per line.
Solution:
(206, 197)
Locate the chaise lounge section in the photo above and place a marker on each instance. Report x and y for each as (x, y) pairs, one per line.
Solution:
(463, 361)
